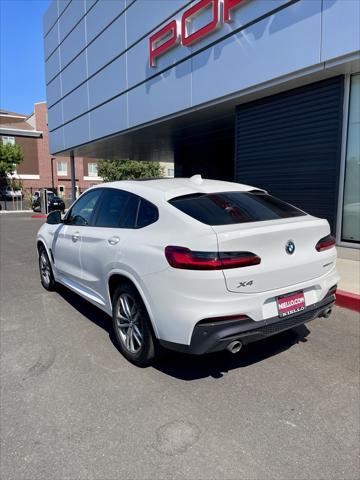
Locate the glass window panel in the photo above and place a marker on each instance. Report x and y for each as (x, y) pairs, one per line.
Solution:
(61, 168)
(92, 170)
(8, 140)
(351, 207)
(226, 208)
(83, 209)
(147, 214)
(117, 210)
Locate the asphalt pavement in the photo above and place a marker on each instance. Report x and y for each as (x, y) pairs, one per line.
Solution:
(73, 408)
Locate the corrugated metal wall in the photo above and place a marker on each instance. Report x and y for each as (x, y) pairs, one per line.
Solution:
(290, 144)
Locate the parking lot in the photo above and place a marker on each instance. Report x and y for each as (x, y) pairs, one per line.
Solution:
(73, 408)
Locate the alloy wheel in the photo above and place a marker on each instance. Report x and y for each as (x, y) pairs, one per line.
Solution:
(128, 323)
(45, 269)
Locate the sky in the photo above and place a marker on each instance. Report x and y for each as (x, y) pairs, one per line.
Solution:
(22, 76)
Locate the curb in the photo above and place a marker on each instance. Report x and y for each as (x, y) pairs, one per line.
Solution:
(15, 211)
(348, 300)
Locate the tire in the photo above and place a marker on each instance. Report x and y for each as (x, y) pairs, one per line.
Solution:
(46, 273)
(132, 326)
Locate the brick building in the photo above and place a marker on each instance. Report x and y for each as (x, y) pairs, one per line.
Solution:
(39, 169)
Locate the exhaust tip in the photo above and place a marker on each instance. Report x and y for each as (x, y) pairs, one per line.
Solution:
(328, 313)
(234, 347)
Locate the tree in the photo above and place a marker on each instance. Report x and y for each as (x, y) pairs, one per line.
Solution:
(10, 157)
(112, 170)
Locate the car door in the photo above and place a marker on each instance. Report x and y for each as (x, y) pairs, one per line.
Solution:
(66, 244)
(101, 247)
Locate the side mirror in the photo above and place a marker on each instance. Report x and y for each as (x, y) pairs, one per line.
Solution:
(54, 218)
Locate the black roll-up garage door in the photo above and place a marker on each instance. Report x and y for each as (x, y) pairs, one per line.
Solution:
(290, 145)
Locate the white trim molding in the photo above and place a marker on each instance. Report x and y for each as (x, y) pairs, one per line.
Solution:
(20, 132)
(25, 176)
(93, 179)
(28, 176)
(9, 115)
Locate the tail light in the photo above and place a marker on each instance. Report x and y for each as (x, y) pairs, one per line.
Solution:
(325, 243)
(181, 257)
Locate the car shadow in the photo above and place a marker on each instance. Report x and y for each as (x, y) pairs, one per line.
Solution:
(215, 365)
(88, 310)
(194, 367)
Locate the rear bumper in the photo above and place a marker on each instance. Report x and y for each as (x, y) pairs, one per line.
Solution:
(215, 336)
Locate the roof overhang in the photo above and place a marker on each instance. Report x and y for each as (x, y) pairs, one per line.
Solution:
(163, 134)
(19, 132)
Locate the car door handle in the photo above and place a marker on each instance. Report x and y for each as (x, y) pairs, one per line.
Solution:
(75, 237)
(113, 240)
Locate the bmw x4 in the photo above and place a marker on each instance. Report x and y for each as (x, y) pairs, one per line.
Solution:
(192, 265)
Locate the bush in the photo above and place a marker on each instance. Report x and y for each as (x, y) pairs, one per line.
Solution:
(113, 170)
(10, 157)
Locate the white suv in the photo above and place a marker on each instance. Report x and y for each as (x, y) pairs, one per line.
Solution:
(190, 264)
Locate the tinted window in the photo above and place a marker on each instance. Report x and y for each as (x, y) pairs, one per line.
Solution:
(81, 212)
(226, 208)
(117, 210)
(148, 214)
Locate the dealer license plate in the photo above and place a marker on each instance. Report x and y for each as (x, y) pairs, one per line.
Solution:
(290, 303)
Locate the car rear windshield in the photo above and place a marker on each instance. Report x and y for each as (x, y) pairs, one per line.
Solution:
(225, 208)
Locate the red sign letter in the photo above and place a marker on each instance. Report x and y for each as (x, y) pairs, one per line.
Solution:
(186, 39)
(228, 6)
(169, 30)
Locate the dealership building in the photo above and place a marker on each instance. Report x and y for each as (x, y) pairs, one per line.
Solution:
(262, 92)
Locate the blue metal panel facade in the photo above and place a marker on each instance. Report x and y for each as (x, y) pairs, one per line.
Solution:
(98, 77)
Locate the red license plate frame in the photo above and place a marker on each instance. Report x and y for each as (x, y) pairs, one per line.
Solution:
(290, 303)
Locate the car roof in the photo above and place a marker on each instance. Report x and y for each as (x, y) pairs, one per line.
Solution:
(164, 189)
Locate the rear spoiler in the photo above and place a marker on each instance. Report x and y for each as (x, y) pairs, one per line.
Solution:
(258, 191)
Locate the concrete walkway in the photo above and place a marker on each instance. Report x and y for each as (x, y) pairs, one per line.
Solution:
(348, 265)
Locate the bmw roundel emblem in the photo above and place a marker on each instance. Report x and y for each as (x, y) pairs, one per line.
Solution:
(290, 247)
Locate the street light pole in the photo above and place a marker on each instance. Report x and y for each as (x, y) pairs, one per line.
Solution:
(52, 173)
(72, 173)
